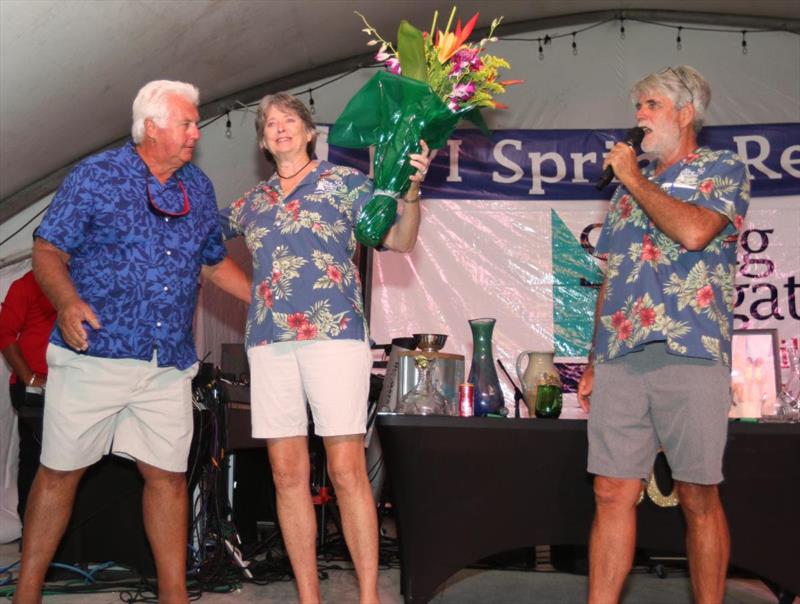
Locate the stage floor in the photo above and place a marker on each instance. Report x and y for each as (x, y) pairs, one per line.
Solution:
(465, 587)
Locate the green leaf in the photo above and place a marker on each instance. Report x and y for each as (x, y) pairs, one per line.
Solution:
(410, 48)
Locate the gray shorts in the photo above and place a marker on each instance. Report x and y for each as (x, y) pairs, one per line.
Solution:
(651, 400)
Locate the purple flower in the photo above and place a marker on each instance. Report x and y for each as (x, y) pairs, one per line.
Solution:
(393, 64)
(463, 92)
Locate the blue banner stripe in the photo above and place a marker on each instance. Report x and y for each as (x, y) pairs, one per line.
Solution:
(564, 164)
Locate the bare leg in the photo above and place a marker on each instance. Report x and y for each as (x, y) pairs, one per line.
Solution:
(291, 472)
(46, 516)
(707, 540)
(613, 537)
(165, 503)
(348, 471)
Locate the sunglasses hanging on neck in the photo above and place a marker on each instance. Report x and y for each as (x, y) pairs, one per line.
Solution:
(159, 211)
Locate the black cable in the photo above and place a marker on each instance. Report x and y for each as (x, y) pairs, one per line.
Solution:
(20, 229)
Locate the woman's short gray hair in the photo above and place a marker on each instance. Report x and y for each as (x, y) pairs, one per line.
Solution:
(151, 103)
(682, 84)
(287, 102)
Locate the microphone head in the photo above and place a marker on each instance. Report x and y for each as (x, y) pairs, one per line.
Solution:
(634, 136)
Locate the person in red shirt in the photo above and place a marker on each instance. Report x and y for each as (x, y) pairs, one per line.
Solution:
(26, 320)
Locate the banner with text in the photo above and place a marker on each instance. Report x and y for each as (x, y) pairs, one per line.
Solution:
(565, 164)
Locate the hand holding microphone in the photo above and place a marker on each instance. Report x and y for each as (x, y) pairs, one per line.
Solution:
(632, 138)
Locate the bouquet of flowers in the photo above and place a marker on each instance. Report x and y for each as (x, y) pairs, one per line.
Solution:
(432, 82)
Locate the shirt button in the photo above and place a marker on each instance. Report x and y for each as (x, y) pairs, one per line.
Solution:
(166, 289)
(158, 324)
(166, 218)
(169, 252)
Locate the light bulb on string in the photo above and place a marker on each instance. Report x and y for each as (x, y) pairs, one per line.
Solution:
(744, 42)
(541, 50)
(678, 41)
(228, 133)
(622, 28)
(311, 102)
(574, 45)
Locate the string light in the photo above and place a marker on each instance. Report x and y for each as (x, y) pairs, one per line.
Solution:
(542, 42)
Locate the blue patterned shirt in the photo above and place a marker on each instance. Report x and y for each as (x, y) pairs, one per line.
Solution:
(656, 290)
(306, 286)
(138, 270)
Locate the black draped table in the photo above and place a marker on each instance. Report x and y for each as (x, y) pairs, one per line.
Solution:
(467, 488)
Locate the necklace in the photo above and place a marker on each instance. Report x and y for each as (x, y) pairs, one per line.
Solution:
(293, 175)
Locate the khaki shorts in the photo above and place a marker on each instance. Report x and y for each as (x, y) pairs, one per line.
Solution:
(651, 400)
(128, 407)
(332, 374)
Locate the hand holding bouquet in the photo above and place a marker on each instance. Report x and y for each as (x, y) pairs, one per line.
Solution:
(432, 82)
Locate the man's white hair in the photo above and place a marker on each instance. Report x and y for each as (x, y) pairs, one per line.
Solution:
(151, 103)
(683, 84)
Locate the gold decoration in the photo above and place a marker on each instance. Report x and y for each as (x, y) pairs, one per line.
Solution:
(656, 496)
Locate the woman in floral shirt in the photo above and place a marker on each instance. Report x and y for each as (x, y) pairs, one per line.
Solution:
(306, 335)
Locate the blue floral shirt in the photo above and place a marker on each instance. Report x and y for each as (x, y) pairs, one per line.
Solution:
(656, 290)
(137, 269)
(306, 286)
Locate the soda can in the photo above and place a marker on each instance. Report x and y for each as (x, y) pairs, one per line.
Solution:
(466, 393)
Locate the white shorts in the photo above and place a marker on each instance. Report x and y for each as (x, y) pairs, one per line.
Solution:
(128, 407)
(332, 374)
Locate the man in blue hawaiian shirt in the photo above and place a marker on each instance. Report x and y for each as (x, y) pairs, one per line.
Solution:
(119, 254)
(659, 374)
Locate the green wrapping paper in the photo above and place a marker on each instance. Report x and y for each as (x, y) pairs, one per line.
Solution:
(392, 113)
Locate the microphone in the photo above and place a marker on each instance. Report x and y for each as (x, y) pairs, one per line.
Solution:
(632, 138)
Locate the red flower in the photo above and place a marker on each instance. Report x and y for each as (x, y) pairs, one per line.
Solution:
(647, 316)
(738, 222)
(625, 206)
(706, 186)
(334, 274)
(293, 206)
(272, 196)
(650, 253)
(296, 320)
(625, 330)
(265, 293)
(704, 296)
(316, 227)
(343, 323)
(617, 319)
(307, 331)
(276, 275)
(238, 203)
(690, 158)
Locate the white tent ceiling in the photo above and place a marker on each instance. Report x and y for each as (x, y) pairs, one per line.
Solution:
(70, 68)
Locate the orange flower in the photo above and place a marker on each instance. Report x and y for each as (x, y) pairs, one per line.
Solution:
(449, 42)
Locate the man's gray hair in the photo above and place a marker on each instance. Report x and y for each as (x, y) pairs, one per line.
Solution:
(682, 84)
(151, 103)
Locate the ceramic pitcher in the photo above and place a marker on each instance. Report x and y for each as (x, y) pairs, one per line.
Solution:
(540, 382)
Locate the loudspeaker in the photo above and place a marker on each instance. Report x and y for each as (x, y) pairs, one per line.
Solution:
(106, 523)
(253, 497)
